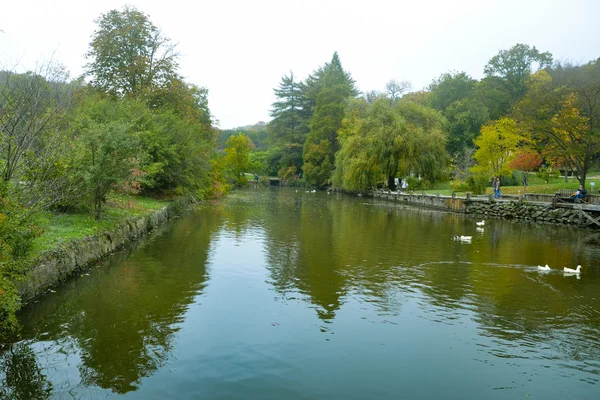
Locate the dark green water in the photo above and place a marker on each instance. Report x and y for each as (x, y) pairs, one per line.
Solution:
(274, 294)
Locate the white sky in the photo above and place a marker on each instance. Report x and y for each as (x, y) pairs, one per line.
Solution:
(240, 50)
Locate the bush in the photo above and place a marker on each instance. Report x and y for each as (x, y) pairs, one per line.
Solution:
(17, 232)
(512, 180)
(459, 186)
(546, 173)
(477, 184)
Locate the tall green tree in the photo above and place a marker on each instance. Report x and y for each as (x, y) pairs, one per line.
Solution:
(381, 140)
(128, 55)
(465, 119)
(454, 94)
(289, 126)
(506, 76)
(107, 150)
(178, 136)
(449, 88)
(335, 88)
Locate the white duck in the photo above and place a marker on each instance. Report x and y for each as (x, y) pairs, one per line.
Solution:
(573, 271)
(480, 223)
(463, 238)
(544, 268)
(313, 191)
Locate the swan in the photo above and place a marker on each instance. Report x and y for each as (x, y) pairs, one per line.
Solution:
(482, 223)
(463, 238)
(573, 271)
(544, 268)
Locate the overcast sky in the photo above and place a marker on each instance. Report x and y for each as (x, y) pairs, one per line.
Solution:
(240, 50)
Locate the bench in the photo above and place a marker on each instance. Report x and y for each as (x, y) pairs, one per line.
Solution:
(566, 196)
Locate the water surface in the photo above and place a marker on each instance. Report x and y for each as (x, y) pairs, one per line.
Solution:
(278, 294)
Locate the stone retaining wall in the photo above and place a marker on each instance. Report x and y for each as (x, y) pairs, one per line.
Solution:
(56, 266)
(540, 212)
(523, 208)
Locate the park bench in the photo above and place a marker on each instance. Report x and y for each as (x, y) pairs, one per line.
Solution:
(565, 196)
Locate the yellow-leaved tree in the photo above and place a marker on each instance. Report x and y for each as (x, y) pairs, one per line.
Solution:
(496, 147)
(237, 157)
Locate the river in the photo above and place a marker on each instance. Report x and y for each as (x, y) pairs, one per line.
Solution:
(281, 294)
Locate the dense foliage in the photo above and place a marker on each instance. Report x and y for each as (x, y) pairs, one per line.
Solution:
(134, 125)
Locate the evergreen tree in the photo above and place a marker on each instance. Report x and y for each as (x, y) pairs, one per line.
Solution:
(330, 87)
(288, 129)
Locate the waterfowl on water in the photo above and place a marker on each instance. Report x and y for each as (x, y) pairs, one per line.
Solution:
(480, 223)
(463, 238)
(573, 271)
(544, 268)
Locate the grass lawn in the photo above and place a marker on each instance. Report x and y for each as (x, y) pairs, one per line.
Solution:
(65, 227)
(536, 185)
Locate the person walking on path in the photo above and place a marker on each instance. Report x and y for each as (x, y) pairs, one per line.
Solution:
(496, 186)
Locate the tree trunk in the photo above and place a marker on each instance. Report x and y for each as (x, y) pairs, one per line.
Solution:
(99, 210)
(391, 183)
(566, 176)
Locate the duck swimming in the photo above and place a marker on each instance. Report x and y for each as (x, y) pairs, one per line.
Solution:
(463, 238)
(573, 271)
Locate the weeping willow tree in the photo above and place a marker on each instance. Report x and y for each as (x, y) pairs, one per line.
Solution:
(426, 129)
(381, 140)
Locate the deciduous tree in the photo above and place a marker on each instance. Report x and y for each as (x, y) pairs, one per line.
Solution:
(497, 147)
(562, 113)
(237, 161)
(106, 150)
(129, 55)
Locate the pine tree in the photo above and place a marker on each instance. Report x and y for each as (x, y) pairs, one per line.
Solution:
(288, 129)
(328, 89)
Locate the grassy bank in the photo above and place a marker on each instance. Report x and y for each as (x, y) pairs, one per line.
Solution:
(64, 227)
(535, 185)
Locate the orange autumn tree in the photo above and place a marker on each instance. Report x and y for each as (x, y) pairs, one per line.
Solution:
(526, 160)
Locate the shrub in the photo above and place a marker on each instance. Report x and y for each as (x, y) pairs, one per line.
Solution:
(459, 186)
(477, 184)
(512, 180)
(546, 173)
